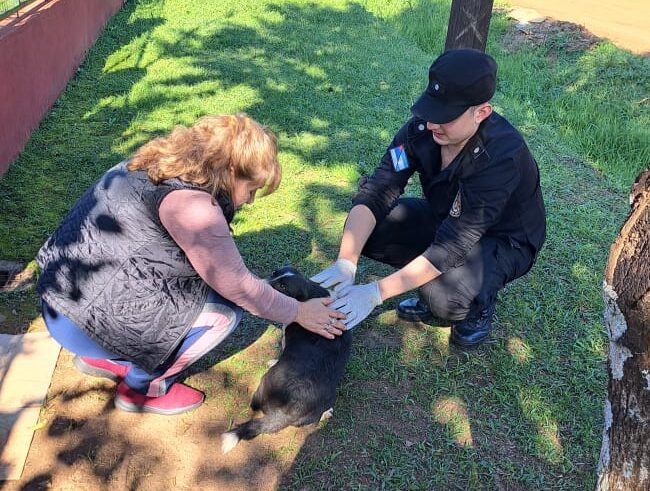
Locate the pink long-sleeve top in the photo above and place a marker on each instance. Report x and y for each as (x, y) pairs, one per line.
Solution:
(200, 229)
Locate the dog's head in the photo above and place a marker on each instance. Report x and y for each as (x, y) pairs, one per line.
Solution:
(289, 281)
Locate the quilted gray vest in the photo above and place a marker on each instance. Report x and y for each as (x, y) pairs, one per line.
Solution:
(112, 268)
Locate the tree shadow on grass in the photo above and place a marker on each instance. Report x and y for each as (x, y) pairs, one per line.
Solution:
(66, 154)
(297, 86)
(305, 73)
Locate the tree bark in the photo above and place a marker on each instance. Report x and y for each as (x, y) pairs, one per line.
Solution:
(625, 453)
(469, 22)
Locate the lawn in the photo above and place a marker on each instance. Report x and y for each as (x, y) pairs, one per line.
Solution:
(335, 79)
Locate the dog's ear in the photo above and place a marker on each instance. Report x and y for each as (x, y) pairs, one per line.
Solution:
(286, 270)
(290, 282)
(295, 286)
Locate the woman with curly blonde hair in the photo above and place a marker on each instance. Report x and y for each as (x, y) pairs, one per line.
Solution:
(143, 278)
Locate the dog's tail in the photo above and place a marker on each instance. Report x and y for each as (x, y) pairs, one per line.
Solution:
(269, 423)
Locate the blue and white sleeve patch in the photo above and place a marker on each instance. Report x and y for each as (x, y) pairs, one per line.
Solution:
(398, 155)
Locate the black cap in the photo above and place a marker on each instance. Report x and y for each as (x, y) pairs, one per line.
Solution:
(458, 79)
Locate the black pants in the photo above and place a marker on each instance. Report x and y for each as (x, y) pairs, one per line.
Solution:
(461, 292)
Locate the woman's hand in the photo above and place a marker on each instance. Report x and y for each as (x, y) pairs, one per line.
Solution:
(315, 316)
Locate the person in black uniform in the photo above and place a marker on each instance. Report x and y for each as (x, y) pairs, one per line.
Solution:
(480, 224)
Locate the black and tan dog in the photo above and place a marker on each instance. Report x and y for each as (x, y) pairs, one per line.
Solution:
(300, 389)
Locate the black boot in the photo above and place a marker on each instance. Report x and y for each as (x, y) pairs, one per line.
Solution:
(472, 332)
(414, 310)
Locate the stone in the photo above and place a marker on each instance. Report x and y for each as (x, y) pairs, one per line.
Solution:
(526, 16)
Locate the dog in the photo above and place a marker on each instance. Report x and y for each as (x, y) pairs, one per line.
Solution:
(300, 388)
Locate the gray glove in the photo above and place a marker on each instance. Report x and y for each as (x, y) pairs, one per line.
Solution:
(341, 274)
(357, 301)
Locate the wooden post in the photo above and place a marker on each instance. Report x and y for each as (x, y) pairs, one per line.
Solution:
(625, 453)
(469, 22)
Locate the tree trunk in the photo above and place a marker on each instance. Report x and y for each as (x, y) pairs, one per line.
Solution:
(469, 22)
(625, 454)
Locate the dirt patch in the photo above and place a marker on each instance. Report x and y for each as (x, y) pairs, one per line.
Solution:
(625, 23)
(452, 412)
(554, 34)
(83, 442)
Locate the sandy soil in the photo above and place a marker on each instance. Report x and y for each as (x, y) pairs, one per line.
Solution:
(83, 442)
(625, 22)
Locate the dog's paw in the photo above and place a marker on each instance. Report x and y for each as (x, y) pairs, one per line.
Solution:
(327, 414)
(229, 441)
(270, 363)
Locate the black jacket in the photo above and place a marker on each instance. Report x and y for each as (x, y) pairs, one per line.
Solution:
(491, 188)
(113, 269)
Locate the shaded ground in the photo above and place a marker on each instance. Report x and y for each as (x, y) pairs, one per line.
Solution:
(83, 442)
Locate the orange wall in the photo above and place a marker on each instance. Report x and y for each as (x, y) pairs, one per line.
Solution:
(39, 52)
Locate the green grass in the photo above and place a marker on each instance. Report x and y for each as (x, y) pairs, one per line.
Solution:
(8, 7)
(335, 79)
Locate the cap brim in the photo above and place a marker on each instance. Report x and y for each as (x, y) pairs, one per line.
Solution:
(431, 109)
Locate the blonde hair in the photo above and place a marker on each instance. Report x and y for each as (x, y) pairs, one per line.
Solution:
(205, 153)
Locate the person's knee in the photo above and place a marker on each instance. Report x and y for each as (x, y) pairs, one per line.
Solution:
(446, 303)
(455, 300)
(451, 311)
(380, 250)
(382, 236)
(458, 307)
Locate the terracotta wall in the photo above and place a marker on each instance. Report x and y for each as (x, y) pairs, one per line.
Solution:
(40, 49)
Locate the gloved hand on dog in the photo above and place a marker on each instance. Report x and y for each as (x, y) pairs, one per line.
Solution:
(357, 301)
(338, 275)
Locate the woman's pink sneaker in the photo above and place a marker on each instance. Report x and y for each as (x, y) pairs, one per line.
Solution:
(179, 399)
(98, 367)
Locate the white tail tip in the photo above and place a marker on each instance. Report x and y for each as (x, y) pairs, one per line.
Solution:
(229, 441)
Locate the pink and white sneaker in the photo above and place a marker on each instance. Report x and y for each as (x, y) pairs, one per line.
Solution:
(98, 367)
(179, 399)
